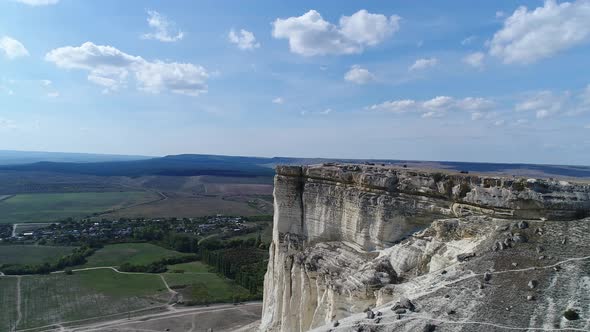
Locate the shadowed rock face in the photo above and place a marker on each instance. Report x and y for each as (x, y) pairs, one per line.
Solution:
(342, 238)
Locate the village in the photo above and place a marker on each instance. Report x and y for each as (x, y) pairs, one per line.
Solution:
(86, 230)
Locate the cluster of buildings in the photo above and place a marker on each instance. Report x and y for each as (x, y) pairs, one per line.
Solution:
(113, 230)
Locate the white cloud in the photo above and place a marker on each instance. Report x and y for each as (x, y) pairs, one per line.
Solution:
(12, 48)
(474, 59)
(468, 40)
(528, 36)
(245, 40)
(278, 100)
(585, 96)
(396, 106)
(359, 75)
(7, 124)
(326, 111)
(38, 2)
(164, 29)
(541, 114)
(543, 104)
(423, 64)
(435, 107)
(309, 34)
(180, 78)
(48, 87)
(8, 90)
(438, 103)
(432, 114)
(474, 103)
(110, 68)
(500, 14)
(477, 115)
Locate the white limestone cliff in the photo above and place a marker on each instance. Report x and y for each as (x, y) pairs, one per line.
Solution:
(349, 237)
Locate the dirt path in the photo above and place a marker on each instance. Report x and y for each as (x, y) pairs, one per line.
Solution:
(18, 303)
(166, 315)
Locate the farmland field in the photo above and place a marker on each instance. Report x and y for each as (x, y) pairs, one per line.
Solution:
(31, 254)
(25, 208)
(183, 206)
(132, 253)
(7, 303)
(55, 298)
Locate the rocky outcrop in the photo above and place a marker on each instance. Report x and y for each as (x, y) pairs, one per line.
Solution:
(351, 237)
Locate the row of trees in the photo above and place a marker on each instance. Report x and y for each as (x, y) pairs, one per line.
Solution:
(246, 267)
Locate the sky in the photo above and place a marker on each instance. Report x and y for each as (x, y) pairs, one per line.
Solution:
(503, 81)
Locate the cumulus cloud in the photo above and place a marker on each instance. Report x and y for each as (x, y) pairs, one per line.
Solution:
(278, 100)
(435, 107)
(528, 36)
(423, 64)
(244, 39)
(543, 104)
(109, 67)
(309, 34)
(38, 2)
(164, 29)
(12, 48)
(359, 75)
(474, 59)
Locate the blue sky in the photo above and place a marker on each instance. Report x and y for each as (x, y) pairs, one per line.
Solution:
(503, 81)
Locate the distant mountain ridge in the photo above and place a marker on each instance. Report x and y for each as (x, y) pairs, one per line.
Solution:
(11, 157)
(243, 166)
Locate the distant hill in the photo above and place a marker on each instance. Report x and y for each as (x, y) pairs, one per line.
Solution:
(179, 165)
(236, 166)
(8, 157)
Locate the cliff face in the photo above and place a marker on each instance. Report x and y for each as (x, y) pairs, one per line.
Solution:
(348, 237)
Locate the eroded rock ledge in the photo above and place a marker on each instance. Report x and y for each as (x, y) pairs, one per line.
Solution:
(348, 237)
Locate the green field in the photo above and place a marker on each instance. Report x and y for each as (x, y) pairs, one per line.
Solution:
(191, 267)
(204, 287)
(31, 254)
(55, 298)
(132, 253)
(25, 208)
